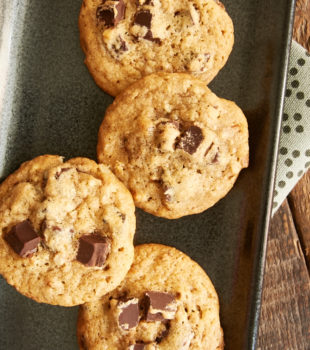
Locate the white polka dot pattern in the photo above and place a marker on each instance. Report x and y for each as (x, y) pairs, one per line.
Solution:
(294, 149)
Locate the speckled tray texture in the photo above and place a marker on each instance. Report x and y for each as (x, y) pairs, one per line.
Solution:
(50, 104)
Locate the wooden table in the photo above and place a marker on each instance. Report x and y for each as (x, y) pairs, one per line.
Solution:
(285, 314)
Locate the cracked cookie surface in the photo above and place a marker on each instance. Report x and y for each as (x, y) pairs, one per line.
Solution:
(179, 294)
(124, 40)
(66, 230)
(175, 145)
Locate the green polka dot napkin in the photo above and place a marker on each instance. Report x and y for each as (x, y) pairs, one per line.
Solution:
(294, 148)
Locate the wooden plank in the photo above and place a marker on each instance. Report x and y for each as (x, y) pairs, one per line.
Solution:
(285, 312)
(301, 32)
(299, 201)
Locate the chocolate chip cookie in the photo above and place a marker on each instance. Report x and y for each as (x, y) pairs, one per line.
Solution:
(66, 230)
(177, 146)
(124, 40)
(165, 302)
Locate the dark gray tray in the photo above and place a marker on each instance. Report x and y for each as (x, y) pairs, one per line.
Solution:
(50, 104)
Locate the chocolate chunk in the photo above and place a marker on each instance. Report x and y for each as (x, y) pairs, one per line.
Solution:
(143, 18)
(190, 139)
(23, 239)
(149, 36)
(111, 12)
(106, 15)
(129, 315)
(159, 306)
(93, 250)
(160, 300)
(137, 346)
(63, 170)
(120, 9)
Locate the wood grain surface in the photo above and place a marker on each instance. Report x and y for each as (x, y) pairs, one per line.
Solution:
(286, 298)
(301, 31)
(285, 313)
(300, 207)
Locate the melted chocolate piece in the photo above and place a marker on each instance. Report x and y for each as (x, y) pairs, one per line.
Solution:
(129, 315)
(45, 177)
(43, 226)
(81, 171)
(120, 46)
(93, 250)
(207, 57)
(215, 159)
(63, 170)
(208, 149)
(167, 197)
(167, 193)
(190, 139)
(164, 333)
(149, 36)
(23, 239)
(143, 18)
(111, 12)
(175, 123)
(157, 305)
(172, 123)
(123, 46)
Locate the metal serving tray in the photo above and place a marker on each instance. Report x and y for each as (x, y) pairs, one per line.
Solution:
(50, 104)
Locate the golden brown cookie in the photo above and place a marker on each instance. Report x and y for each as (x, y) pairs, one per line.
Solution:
(177, 146)
(124, 40)
(66, 230)
(166, 302)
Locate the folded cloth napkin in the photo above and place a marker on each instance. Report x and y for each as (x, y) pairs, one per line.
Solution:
(294, 148)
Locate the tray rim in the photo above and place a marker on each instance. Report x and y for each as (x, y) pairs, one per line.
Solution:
(260, 260)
